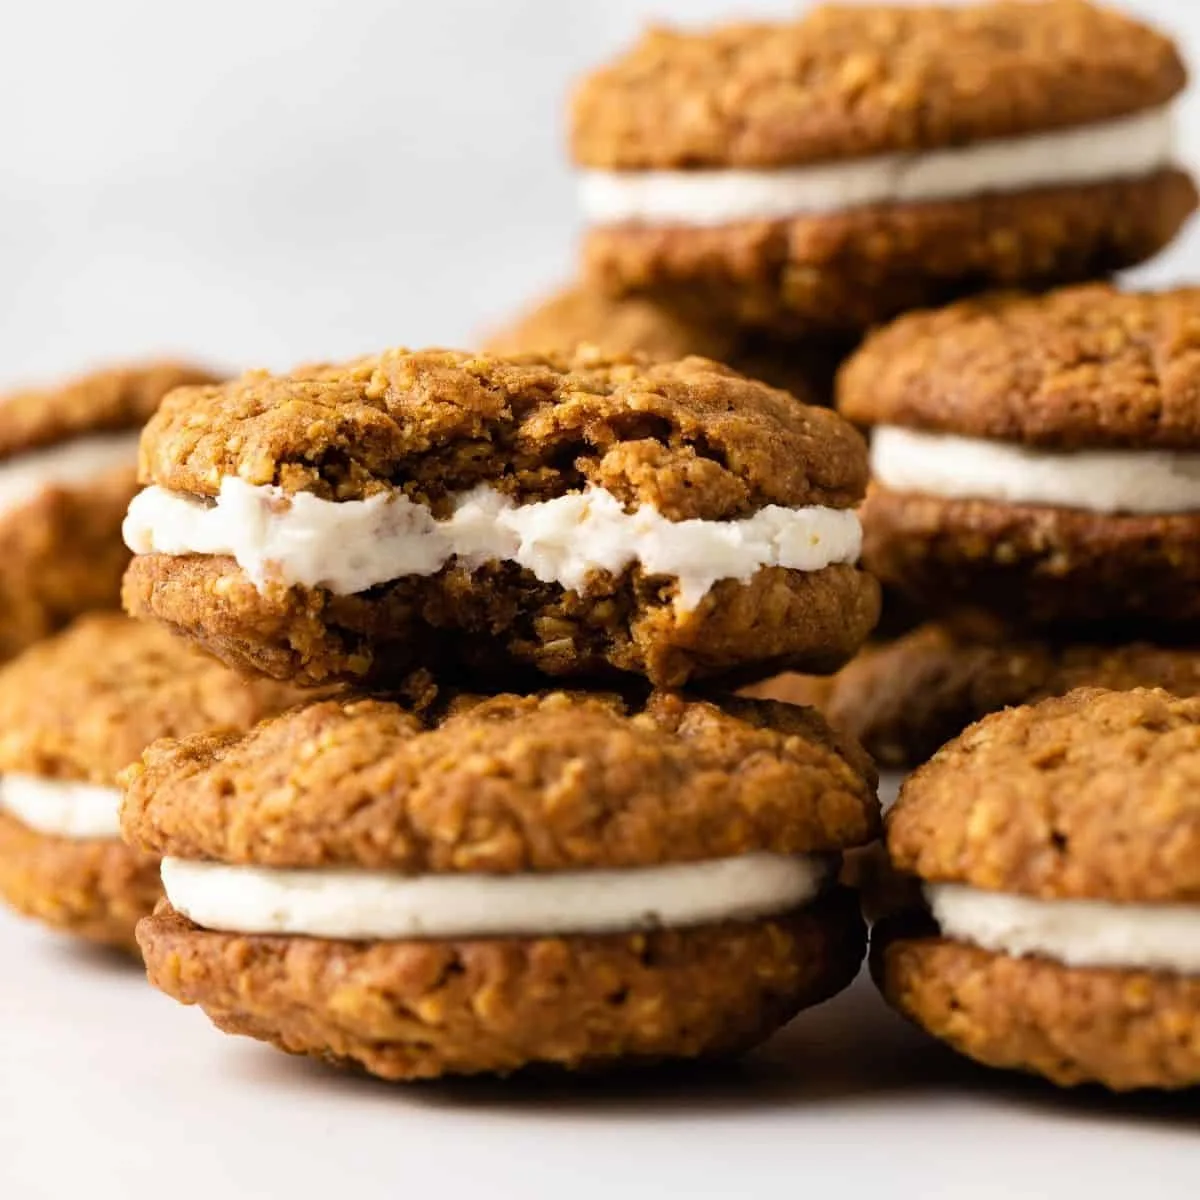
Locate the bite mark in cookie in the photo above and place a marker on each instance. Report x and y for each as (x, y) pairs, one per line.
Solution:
(579, 514)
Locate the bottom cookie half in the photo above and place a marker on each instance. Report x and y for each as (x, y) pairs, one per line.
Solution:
(1125, 1029)
(412, 1010)
(1044, 566)
(95, 888)
(499, 619)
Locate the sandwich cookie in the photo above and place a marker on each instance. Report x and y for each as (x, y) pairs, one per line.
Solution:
(906, 698)
(74, 711)
(1058, 846)
(68, 461)
(566, 879)
(832, 171)
(570, 515)
(1038, 457)
(635, 325)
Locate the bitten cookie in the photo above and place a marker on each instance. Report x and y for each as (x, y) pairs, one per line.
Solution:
(563, 879)
(575, 516)
(635, 325)
(906, 698)
(68, 460)
(1059, 848)
(830, 172)
(1038, 456)
(74, 711)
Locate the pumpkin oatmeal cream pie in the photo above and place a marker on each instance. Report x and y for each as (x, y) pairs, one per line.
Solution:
(1038, 457)
(573, 515)
(68, 461)
(831, 171)
(74, 711)
(1058, 846)
(475, 885)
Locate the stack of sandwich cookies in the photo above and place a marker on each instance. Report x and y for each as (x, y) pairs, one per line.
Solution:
(75, 710)
(1034, 497)
(68, 460)
(575, 516)
(567, 879)
(835, 170)
(1059, 848)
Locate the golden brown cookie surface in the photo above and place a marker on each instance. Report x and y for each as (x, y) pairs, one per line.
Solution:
(840, 273)
(1090, 795)
(634, 325)
(454, 795)
(905, 699)
(76, 709)
(1058, 848)
(560, 781)
(60, 525)
(848, 81)
(1082, 367)
(689, 440)
(572, 315)
(1036, 565)
(1123, 1029)
(104, 401)
(85, 704)
(411, 1010)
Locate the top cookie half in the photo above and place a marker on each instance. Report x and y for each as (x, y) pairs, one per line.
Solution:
(843, 82)
(576, 515)
(834, 170)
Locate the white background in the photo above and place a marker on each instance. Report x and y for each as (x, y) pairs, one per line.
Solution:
(259, 183)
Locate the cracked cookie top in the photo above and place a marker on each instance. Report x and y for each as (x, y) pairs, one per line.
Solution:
(689, 438)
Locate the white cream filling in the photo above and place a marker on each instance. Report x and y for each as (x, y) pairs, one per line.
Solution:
(79, 461)
(350, 546)
(62, 807)
(1103, 481)
(361, 904)
(1077, 933)
(1120, 149)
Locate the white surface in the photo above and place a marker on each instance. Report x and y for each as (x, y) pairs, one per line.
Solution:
(109, 1090)
(1080, 933)
(1131, 146)
(65, 807)
(352, 545)
(263, 182)
(344, 902)
(1106, 481)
